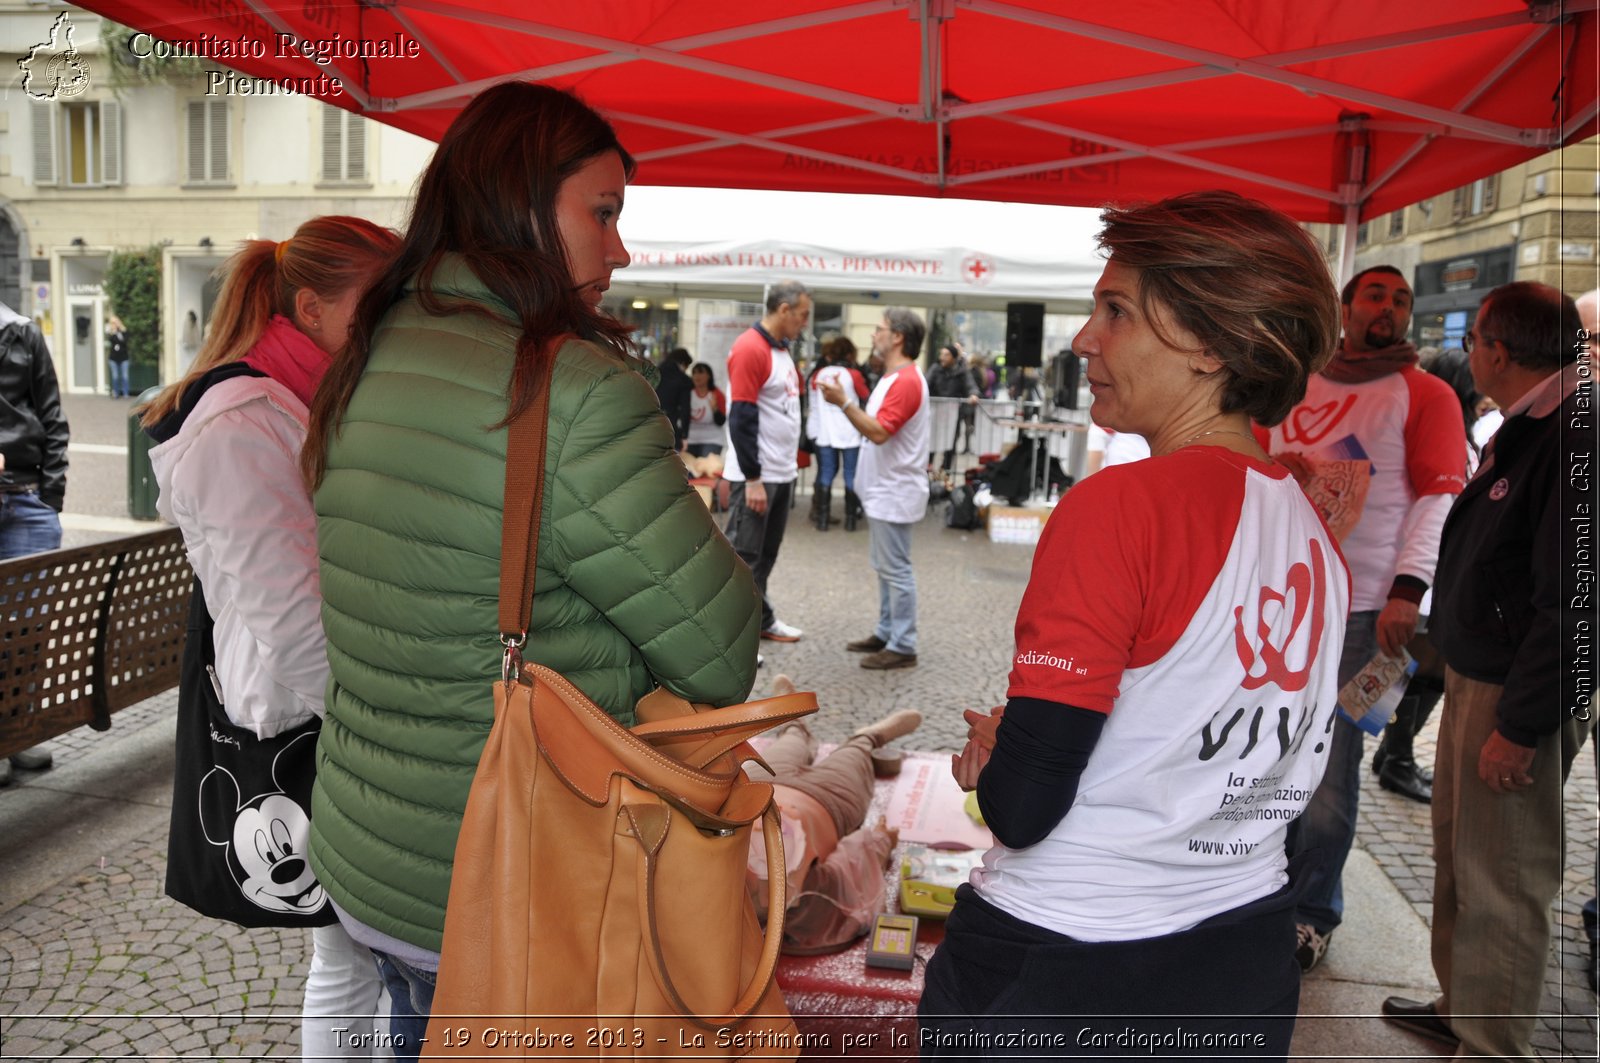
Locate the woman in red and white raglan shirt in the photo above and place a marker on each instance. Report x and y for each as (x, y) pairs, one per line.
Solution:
(1173, 682)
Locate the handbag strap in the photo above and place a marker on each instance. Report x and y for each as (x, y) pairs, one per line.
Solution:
(649, 825)
(527, 437)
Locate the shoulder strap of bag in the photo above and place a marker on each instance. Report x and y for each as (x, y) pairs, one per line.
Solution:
(526, 440)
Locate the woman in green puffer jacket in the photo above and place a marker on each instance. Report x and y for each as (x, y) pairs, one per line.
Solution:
(512, 241)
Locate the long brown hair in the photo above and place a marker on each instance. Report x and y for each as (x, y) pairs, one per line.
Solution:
(328, 255)
(487, 196)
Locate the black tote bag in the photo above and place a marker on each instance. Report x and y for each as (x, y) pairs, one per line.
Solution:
(240, 805)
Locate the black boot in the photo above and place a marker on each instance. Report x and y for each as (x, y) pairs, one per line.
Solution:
(852, 510)
(821, 501)
(1396, 767)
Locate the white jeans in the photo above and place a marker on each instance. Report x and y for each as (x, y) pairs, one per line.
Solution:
(340, 1016)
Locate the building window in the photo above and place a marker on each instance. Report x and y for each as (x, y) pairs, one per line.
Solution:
(78, 145)
(1397, 224)
(344, 147)
(207, 142)
(1477, 198)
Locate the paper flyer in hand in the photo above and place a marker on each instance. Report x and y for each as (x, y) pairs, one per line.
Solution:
(1335, 479)
(1371, 696)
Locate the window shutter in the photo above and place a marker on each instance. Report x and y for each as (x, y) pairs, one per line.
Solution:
(1458, 203)
(217, 122)
(111, 142)
(332, 143)
(44, 143)
(1491, 188)
(355, 152)
(196, 137)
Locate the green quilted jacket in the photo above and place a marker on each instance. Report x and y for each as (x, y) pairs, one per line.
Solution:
(635, 587)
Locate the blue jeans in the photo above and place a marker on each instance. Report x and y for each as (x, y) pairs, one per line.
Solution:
(410, 1003)
(890, 552)
(119, 378)
(27, 526)
(828, 461)
(1329, 821)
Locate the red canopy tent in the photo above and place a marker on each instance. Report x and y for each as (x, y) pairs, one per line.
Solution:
(1331, 111)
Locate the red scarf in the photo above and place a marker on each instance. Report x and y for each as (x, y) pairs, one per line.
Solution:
(1347, 368)
(288, 356)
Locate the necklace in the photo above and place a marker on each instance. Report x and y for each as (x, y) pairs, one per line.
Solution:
(1213, 432)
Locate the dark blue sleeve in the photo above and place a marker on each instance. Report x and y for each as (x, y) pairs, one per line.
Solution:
(1031, 780)
(744, 432)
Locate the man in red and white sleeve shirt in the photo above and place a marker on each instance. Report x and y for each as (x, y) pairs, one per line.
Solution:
(1379, 447)
(892, 482)
(764, 438)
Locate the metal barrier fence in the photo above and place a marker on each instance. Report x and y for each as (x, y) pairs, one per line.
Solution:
(88, 631)
(990, 433)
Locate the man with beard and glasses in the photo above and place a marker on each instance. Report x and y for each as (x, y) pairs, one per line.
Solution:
(1381, 450)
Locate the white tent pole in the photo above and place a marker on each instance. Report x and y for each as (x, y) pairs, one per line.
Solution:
(1347, 243)
(770, 134)
(273, 19)
(1163, 154)
(1250, 68)
(1203, 72)
(1511, 59)
(1353, 192)
(773, 145)
(655, 53)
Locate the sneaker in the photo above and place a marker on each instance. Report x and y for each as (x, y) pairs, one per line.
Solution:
(886, 659)
(895, 725)
(1310, 945)
(778, 631)
(870, 644)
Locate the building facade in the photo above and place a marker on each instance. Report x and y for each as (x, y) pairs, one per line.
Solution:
(1539, 221)
(180, 163)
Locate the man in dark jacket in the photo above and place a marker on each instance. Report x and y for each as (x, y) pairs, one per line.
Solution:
(33, 461)
(1513, 615)
(673, 393)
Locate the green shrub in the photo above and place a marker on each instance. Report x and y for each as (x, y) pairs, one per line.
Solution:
(133, 287)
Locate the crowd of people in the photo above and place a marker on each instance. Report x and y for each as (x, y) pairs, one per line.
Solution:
(1172, 785)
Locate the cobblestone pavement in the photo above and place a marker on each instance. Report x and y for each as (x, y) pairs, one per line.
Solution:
(100, 965)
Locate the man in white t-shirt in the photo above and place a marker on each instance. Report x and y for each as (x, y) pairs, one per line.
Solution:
(1380, 448)
(892, 482)
(764, 433)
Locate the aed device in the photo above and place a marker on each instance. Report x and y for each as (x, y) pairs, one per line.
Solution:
(893, 942)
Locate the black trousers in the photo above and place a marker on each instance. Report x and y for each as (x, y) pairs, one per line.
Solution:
(1228, 988)
(756, 537)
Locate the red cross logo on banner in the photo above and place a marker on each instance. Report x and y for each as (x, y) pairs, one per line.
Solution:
(977, 269)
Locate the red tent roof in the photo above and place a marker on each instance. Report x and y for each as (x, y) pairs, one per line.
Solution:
(1314, 106)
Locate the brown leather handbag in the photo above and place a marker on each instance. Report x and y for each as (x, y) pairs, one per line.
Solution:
(598, 904)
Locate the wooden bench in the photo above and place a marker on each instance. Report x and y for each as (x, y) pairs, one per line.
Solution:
(88, 631)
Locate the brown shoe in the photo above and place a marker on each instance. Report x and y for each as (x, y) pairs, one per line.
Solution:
(895, 725)
(885, 659)
(870, 644)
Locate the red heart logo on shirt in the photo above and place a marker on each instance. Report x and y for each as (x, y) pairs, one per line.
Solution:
(1305, 590)
(1309, 424)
